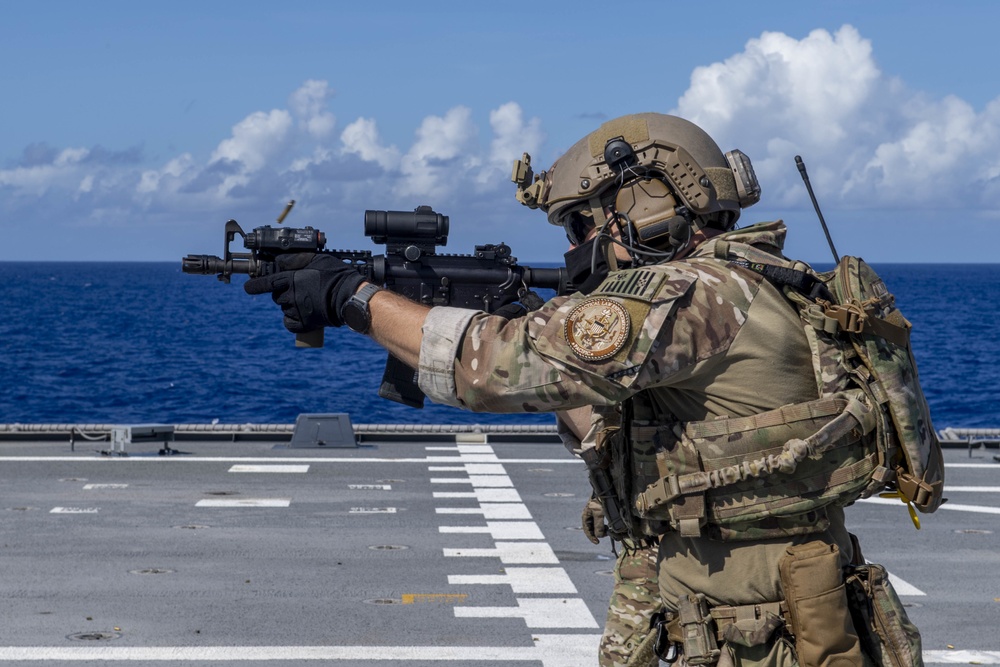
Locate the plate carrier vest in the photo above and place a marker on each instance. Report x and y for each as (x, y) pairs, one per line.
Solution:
(772, 474)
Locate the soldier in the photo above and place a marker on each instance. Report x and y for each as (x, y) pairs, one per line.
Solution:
(735, 448)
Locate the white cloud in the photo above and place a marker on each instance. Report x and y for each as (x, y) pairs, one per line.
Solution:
(440, 154)
(361, 138)
(512, 137)
(309, 105)
(870, 141)
(256, 139)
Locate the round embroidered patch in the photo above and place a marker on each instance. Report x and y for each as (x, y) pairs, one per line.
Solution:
(597, 329)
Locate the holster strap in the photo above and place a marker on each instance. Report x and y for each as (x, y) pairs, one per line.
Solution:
(742, 616)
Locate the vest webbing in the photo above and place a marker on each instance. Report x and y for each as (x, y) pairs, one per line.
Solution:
(846, 413)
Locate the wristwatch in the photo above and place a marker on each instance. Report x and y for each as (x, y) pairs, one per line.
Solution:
(355, 312)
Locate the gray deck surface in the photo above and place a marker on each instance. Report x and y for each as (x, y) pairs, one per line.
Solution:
(353, 556)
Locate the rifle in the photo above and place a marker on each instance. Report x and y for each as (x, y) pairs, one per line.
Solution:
(486, 280)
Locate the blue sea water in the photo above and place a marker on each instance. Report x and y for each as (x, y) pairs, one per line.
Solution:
(143, 342)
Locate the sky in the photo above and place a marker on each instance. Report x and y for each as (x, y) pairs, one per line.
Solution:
(131, 131)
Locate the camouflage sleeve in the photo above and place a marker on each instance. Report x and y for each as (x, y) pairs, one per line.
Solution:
(639, 329)
(573, 351)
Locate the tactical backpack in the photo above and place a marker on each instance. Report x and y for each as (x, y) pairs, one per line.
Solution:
(772, 474)
(864, 311)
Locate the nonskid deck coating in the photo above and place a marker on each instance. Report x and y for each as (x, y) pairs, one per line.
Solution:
(380, 556)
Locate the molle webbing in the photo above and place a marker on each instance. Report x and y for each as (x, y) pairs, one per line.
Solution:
(708, 474)
(744, 617)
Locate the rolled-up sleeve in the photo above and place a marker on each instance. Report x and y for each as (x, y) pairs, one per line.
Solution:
(442, 336)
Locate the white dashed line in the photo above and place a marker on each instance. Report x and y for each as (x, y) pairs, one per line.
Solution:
(501, 530)
(95, 487)
(270, 468)
(476, 480)
(244, 502)
(538, 613)
(472, 469)
(74, 510)
(517, 553)
(491, 510)
(522, 580)
(370, 487)
(372, 510)
(484, 495)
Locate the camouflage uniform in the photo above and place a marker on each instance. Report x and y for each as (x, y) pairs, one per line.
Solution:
(704, 339)
(636, 595)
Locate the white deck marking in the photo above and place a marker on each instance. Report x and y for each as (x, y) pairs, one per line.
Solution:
(463, 449)
(166, 460)
(74, 510)
(244, 502)
(549, 650)
(484, 495)
(972, 489)
(475, 449)
(491, 510)
(538, 613)
(476, 480)
(522, 580)
(272, 468)
(995, 466)
(95, 487)
(904, 588)
(962, 657)
(370, 487)
(501, 530)
(980, 509)
(464, 458)
(372, 510)
(517, 553)
(472, 469)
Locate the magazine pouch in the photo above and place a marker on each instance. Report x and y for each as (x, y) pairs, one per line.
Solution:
(813, 583)
(886, 632)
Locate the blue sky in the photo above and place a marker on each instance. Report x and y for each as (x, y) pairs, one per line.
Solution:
(133, 130)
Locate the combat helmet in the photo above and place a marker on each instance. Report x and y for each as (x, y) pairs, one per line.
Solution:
(662, 177)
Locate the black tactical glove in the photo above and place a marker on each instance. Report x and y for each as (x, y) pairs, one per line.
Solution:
(579, 269)
(593, 521)
(311, 289)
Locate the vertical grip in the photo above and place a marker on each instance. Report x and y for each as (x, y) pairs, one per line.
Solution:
(309, 339)
(399, 383)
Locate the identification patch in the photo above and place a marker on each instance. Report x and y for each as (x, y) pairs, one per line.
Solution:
(597, 329)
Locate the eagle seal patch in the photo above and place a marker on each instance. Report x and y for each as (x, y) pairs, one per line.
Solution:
(597, 329)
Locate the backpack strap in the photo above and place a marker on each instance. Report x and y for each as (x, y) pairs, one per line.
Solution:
(852, 317)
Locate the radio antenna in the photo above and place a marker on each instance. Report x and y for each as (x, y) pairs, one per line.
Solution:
(805, 179)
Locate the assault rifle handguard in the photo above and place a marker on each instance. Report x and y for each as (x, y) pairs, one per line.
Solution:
(486, 280)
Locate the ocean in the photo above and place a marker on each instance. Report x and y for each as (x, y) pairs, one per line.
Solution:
(145, 343)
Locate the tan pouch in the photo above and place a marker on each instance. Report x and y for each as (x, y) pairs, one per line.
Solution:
(889, 636)
(817, 604)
